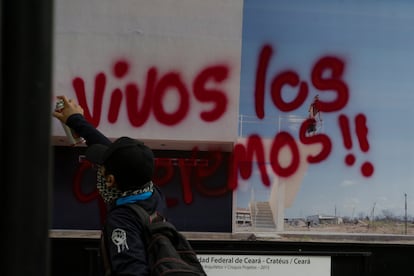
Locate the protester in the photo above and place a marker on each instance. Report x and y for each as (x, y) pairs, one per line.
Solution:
(126, 167)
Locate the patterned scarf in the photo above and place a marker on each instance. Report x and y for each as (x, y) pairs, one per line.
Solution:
(109, 194)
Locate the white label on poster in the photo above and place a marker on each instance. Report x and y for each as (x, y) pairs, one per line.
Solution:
(265, 265)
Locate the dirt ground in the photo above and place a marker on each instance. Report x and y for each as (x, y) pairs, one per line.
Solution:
(362, 227)
(359, 232)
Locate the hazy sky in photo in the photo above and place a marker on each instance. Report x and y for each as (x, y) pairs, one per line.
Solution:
(376, 41)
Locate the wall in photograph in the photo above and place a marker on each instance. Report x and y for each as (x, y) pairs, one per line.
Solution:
(157, 70)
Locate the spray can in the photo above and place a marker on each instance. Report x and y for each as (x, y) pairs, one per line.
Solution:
(73, 137)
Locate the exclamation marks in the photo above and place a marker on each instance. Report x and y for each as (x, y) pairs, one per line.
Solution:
(361, 130)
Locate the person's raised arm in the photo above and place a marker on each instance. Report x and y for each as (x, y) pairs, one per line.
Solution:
(72, 116)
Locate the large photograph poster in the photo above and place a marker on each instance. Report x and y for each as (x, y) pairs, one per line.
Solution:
(229, 85)
(355, 173)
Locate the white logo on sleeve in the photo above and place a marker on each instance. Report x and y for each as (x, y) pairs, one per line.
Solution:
(119, 239)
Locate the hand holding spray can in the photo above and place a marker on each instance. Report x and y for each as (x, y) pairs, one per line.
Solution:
(73, 137)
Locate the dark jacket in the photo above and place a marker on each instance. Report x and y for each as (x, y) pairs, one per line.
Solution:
(123, 238)
(122, 232)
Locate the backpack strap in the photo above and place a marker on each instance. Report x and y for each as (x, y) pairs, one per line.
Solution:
(143, 215)
(151, 222)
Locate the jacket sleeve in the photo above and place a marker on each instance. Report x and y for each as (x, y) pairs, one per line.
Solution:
(124, 243)
(86, 130)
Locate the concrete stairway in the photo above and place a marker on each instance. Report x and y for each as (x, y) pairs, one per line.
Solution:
(262, 216)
